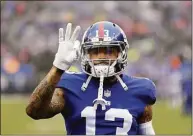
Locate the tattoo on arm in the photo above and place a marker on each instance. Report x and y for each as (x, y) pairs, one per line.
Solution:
(147, 115)
(42, 103)
(57, 103)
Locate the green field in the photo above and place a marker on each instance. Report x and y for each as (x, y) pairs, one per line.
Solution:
(15, 121)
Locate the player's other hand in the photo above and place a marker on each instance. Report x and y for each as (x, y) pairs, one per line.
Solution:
(69, 46)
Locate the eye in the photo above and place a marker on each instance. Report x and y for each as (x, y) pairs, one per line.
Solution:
(109, 50)
(93, 51)
(112, 50)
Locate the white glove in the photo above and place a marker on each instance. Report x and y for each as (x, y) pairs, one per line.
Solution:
(68, 50)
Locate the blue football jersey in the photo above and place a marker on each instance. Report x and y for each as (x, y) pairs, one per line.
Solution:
(121, 114)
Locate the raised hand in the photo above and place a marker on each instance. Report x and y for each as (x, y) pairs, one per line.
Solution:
(68, 50)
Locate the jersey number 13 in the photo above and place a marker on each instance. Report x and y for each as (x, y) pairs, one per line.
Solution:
(90, 114)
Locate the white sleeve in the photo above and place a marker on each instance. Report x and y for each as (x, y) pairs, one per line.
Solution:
(146, 128)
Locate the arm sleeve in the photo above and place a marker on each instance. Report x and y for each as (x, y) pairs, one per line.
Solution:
(146, 92)
(151, 95)
(61, 84)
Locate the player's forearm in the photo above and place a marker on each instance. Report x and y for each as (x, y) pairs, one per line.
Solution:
(40, 99)
(145, 122)
(147, 115)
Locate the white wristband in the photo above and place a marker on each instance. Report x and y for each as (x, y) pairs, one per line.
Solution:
(146, 128)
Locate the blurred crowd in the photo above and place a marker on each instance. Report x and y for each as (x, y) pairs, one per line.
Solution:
(159, 34)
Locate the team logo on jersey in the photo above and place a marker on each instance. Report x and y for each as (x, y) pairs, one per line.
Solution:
(107, 93)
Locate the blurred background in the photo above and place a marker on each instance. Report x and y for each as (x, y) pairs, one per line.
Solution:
(160, 38)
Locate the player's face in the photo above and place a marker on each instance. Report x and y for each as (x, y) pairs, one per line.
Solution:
(102, 55)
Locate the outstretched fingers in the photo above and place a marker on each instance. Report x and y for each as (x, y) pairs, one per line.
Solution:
(68, 31)
(75, 33)
(61, 34)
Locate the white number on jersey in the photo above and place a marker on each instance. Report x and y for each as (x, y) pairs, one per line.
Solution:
(90, 114)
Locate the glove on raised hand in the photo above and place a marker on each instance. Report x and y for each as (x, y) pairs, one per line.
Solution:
(69, 48)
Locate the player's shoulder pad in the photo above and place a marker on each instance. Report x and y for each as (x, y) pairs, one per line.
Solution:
(146, 90)
(142, 81)
(67, 75)
(69, 79)
(150, 91)
(149, 83)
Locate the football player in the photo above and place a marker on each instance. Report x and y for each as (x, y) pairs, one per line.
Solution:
(100, 100)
